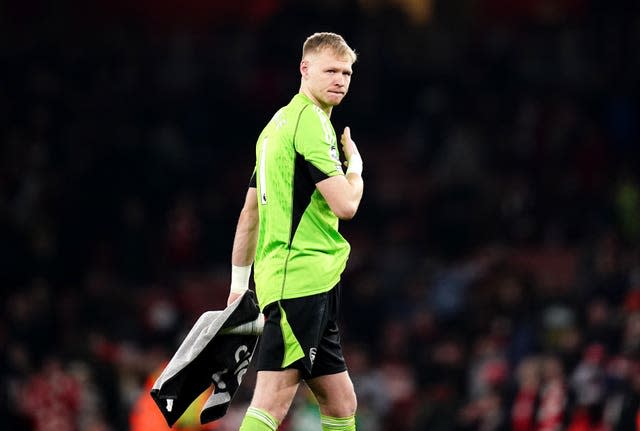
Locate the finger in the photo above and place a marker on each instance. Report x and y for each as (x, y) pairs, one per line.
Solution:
(347, 132)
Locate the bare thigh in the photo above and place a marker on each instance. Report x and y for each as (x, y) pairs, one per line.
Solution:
(335, 394)
(274, 391)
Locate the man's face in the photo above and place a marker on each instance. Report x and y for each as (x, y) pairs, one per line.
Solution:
(326, 77)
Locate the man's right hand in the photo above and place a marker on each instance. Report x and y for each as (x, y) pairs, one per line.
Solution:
(348, 146)
(350, 151)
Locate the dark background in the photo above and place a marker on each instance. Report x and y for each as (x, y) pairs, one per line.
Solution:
(495, 265)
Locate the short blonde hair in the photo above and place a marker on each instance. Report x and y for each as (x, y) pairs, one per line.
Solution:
(318, 42)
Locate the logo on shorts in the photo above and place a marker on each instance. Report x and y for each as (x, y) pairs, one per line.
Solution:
(312, 354)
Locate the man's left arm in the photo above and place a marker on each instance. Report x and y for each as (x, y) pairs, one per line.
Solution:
(244, 246)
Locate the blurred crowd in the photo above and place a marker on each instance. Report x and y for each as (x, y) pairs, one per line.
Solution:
(494, 281)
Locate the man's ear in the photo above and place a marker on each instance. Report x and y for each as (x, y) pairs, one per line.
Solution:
(304, 68)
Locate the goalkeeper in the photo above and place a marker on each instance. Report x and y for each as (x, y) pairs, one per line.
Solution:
(289, 225)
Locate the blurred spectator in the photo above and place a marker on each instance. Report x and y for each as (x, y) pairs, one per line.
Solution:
(553, 410)
(51, 398)
(523, 415)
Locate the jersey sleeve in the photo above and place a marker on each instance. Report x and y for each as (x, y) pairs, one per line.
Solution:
(315, 140)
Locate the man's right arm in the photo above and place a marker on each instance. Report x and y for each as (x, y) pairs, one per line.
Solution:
(344, 193)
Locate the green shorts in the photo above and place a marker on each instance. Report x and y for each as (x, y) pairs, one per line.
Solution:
(302, 333)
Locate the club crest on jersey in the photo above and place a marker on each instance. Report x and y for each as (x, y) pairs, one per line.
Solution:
(333, 153)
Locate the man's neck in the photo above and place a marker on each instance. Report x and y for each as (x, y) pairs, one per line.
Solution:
(327, 109)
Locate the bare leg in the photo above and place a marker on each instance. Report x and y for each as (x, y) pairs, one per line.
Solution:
(335, 394)
(275, 390)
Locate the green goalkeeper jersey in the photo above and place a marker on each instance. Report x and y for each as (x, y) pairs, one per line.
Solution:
(299, 251)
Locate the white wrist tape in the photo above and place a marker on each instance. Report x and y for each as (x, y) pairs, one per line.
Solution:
(240, 278)
(355, 164)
